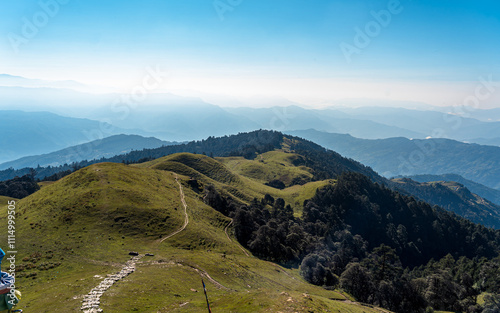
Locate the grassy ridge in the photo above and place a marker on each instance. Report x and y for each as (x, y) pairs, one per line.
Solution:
(244, 179)
(201, 164)
(74, 232)
(269, 166)
(114, 199)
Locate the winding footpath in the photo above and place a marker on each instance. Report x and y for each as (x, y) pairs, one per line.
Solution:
(186, 219)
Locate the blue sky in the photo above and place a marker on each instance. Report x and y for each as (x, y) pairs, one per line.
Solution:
(429, 51)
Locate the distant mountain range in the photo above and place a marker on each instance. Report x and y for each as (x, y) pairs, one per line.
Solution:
(454, 197)
(486, 115)
(31, 133)
(294, 118)
(180, 118)
(401, 156)
(487, 141)
(102, 148)
(434, 124)
(165, 116)
(376, 122)
(488, 193)
(171, 117)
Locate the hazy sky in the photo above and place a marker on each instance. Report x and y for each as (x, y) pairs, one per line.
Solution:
(430, 51)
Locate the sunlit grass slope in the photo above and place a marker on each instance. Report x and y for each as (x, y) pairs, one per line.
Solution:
(4, 201)
(269, 166)
(244, 179)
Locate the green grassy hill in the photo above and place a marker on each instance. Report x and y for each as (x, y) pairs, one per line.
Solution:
(244, 179)
(73, 233)
(269, 166)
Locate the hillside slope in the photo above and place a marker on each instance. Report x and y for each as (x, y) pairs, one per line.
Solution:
(74, 232)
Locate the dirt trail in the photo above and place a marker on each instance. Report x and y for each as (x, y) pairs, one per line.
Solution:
(186, 219)
(203, 273)
(91, 301)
